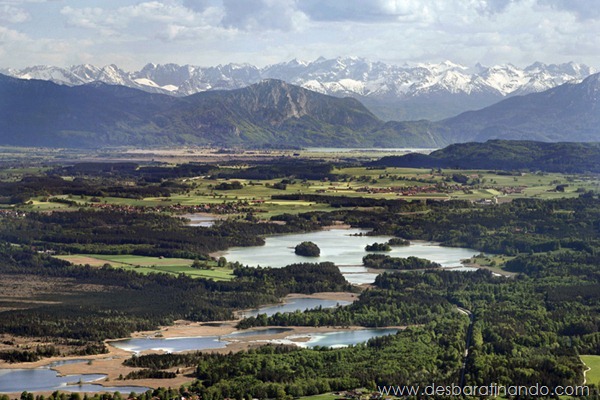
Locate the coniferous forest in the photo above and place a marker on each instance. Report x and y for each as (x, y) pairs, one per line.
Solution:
(524, 317)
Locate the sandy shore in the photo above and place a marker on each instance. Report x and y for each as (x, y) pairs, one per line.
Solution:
(187, 328)
(212, 216)
(336, 296)
(495, 270)
(111, 364)
(336, 226)
(183, 328)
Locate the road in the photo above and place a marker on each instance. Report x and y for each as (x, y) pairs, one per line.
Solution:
(467, 343)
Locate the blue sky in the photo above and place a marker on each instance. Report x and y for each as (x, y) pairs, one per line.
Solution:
(131, 33)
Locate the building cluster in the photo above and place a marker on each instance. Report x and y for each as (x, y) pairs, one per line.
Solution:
(213, 208)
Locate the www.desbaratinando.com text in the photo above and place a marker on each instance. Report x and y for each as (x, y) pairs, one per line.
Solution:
(493, 390)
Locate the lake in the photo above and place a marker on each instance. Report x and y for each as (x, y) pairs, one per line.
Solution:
(178, 344)
(200, 220)
(298, 304)
(345, 338)
(258, 332)
(345, 248)
(46, 379)
(342, 246)
(368, 149)
(170, 345)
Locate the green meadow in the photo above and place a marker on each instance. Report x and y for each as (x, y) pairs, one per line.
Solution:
(593, 375)
(148, 265)
(351, 182)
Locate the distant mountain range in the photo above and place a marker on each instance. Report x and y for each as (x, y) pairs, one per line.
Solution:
(424, 91)
(269, 113)
(566, 157)
(570, 112)
(273, 113)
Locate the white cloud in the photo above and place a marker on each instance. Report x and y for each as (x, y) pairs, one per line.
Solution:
(210, 32)
(363, 10)
(22, 50)
(583, 9)
(89, 18)
(8, 35)
(263, 15)
(165, 20)
(12, 14)
(156, 11)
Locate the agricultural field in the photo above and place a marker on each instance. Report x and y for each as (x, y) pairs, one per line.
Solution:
(531, 263)
(593, 375)
(389, 183)
(149, 265)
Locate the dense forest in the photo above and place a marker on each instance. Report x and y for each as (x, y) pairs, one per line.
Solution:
(383, 261)
(98, 179)
(126, 232)
(128, 302)
(505, 155)
(528, 328)
(413, 355)
(521, 334)
(521, 226)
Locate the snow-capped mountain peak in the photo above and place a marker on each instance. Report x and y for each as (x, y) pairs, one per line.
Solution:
(377, 84)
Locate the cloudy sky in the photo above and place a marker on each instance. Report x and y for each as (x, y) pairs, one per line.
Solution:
(131, 33)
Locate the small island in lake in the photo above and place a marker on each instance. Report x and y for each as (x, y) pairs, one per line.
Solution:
(381, 261)
(307, 249)
(378, 247)
(398, 242)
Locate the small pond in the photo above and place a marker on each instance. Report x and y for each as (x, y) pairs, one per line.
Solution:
(347, 338)
(170, 345)
(330, 339)
(298, 304)
(201, 220)
(46, 379)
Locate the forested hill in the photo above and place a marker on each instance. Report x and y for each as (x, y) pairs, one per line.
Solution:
(506, 155)
(273, 113)
(568, 112)
(269, 113)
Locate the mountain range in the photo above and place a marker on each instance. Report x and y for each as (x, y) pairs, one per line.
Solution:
(273, 113)
(269, 113)
(569, 112)
(392, 92)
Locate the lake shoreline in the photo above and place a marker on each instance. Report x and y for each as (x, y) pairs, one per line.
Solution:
(110, 364)
(338, 245)
(346, 248)
(346, 227)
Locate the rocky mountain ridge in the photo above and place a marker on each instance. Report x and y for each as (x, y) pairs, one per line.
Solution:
(422, 91)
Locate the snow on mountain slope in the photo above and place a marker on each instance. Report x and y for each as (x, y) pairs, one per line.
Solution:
(350, 76)
(59, 75)
(152, 84)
